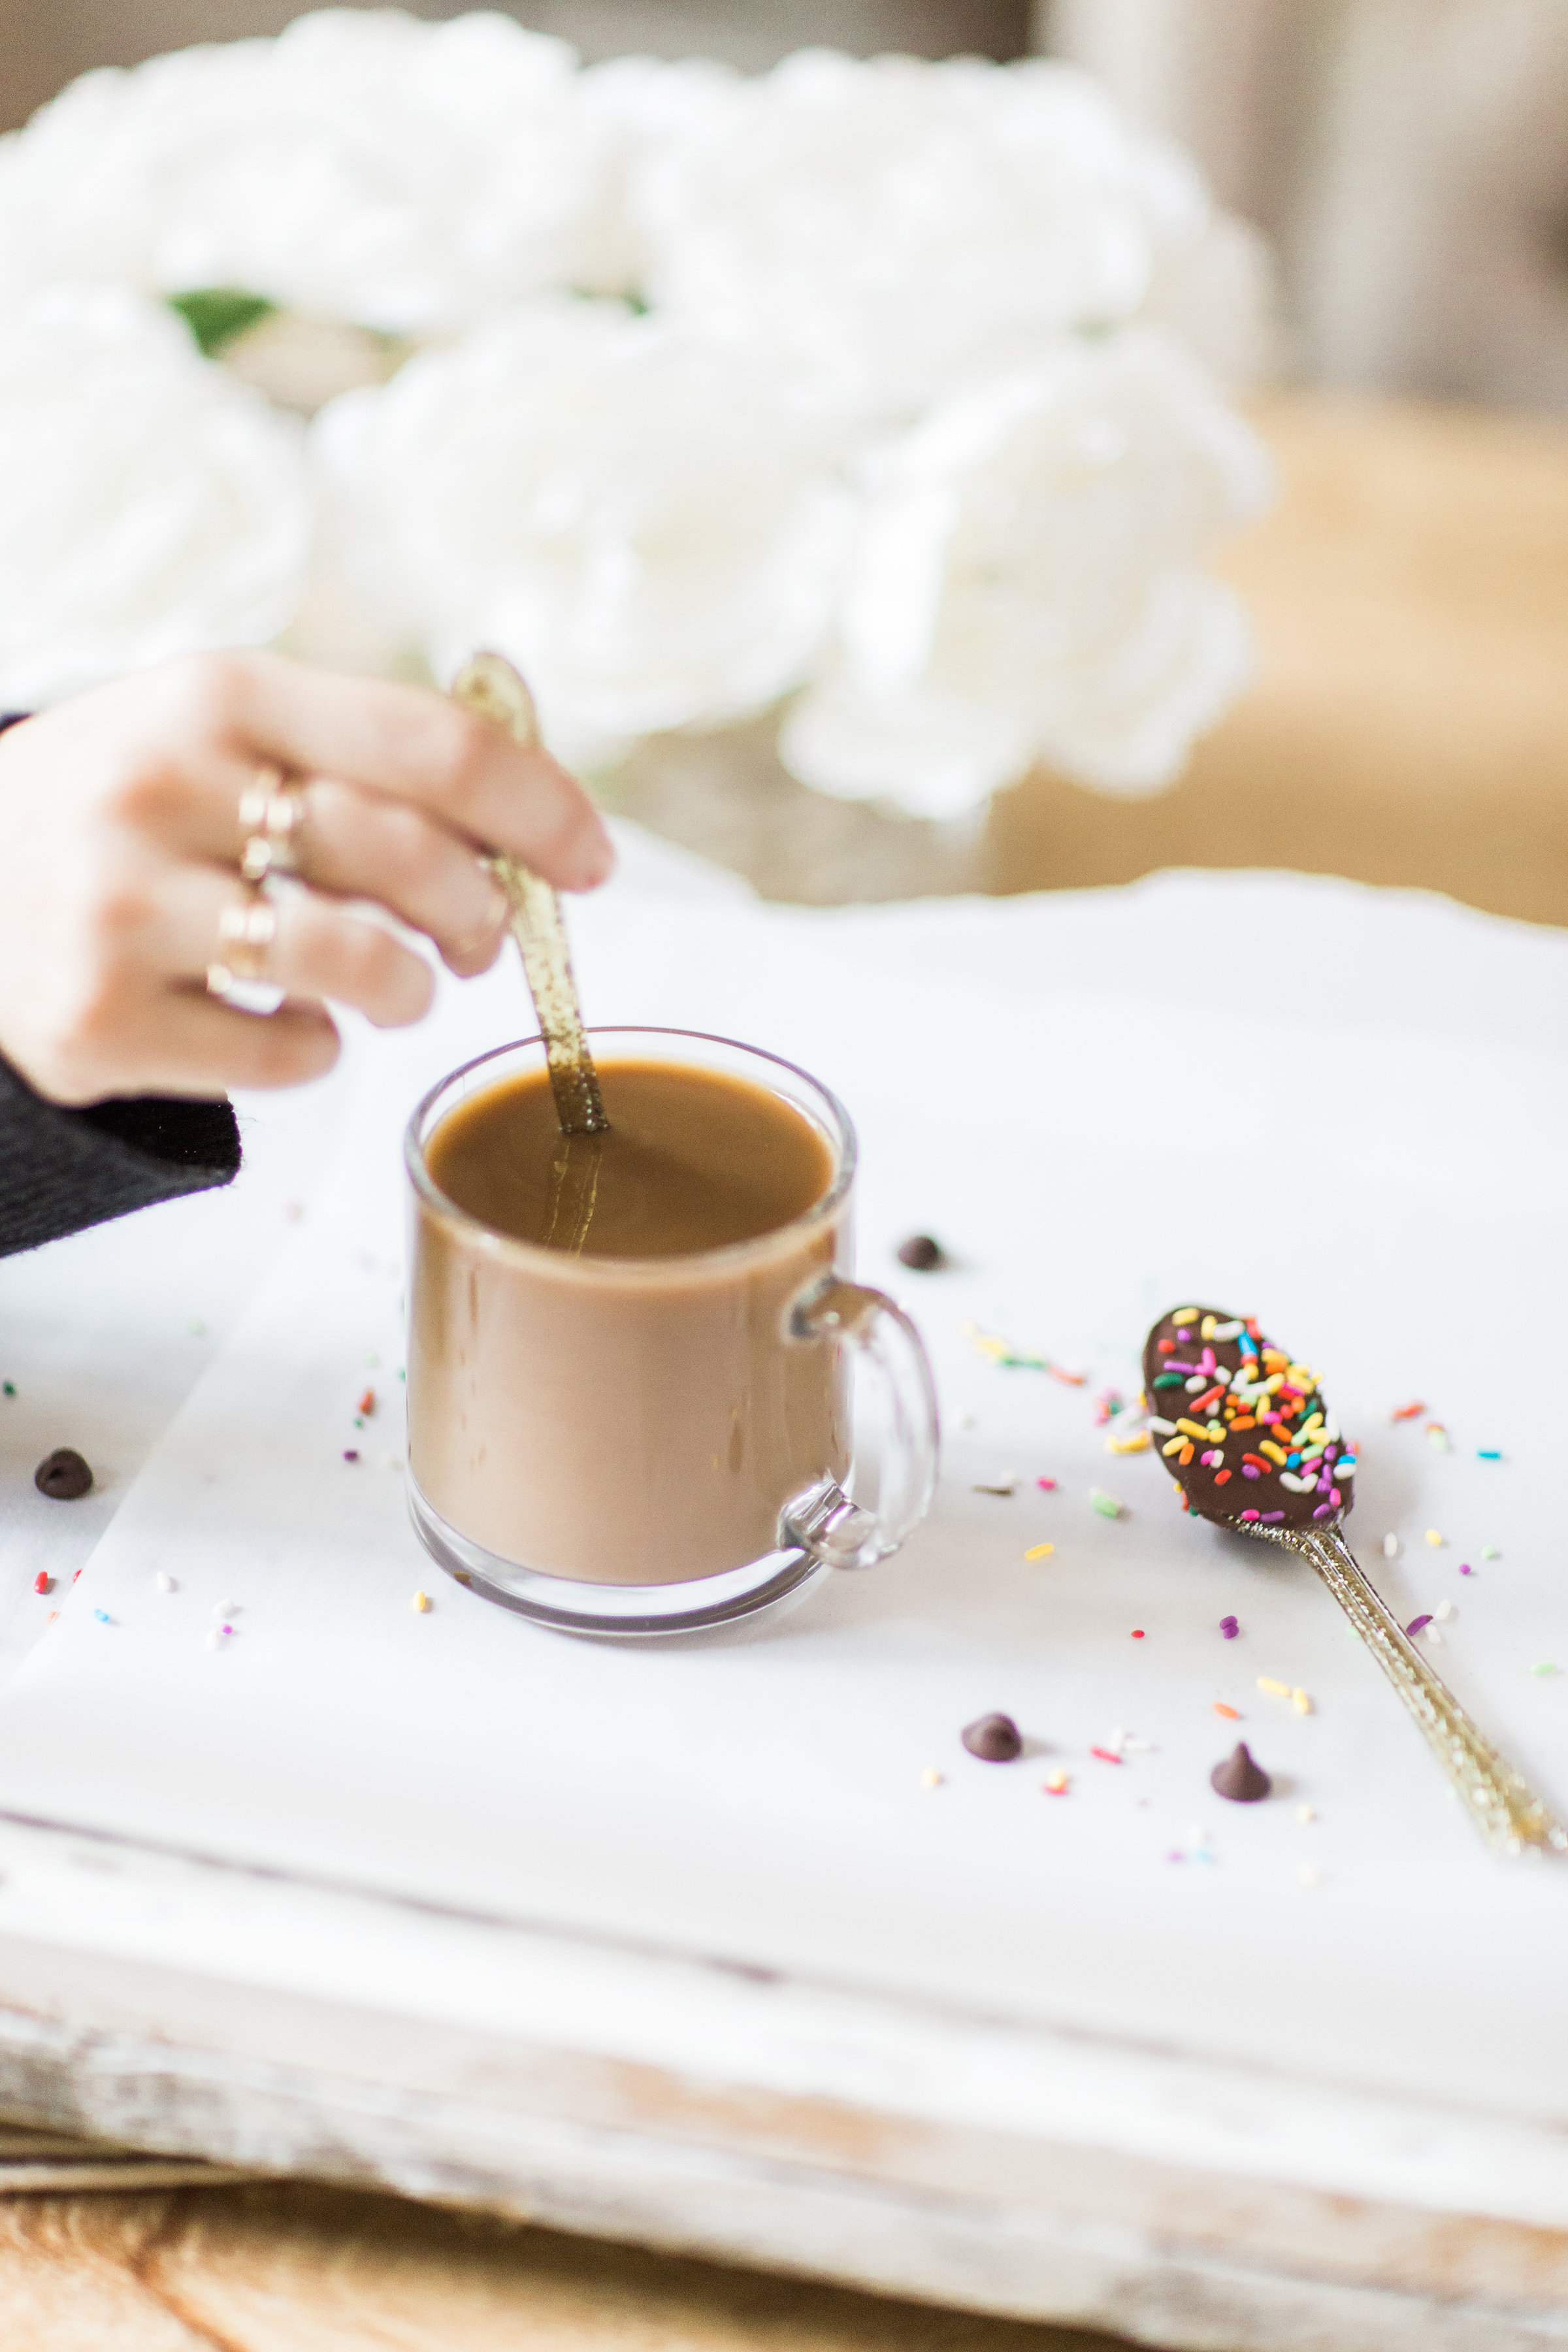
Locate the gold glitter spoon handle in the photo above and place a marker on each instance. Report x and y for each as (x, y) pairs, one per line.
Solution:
(490, 685)
(1507, 1813)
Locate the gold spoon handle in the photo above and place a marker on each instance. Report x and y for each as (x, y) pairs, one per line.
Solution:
(1510, 1816)
(490, 685)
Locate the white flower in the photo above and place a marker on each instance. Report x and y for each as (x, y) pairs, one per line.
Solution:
(900, 228)
(364, 165)
(636, 516)
(1026, 586)
(148, 505)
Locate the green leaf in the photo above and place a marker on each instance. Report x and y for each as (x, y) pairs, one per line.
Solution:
(216, 314)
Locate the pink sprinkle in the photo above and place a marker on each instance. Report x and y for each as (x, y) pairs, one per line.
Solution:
(1419, 1624)
(1335, 1497)
(1137, 1632)
(1106, 1755)
(1464, 1568)
(1047, 1485)
(1250, 1515)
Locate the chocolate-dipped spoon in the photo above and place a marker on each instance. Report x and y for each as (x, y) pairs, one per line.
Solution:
(490, 685)
(1249, 1439)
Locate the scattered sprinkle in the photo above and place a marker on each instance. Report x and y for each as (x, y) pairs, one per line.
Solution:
(165, 1582)
(1229, 1627)
(1464, 1568)
(1047, 1485)
(1039, 1551)
(103, 1617)
(931, 1778)
(218, 1636)
(1419, 1624)
(990, 1490)
(1231, 1714)
(1444, 1610)
(1109, 1755)
(1306, 1813)
(1301, 1701)
(1438, 1437)
(1107, 1504)
(1490, 1551)
(1434, 1636)
(1138, 1634)
(43, 1581)
(1489, 1453)
(1057, 1784)
(1433, 1538)
(366, 1404)
(1136, 1442)
(1274, 1689)
(351, 1453)
(293, 1210)
(228, 1609)
(421, 1602)
(198, 1328)
(7, 1387)
(1391, 1547)
(1310, 1874)
(1002, 1351)
(1408, 1411)
(1546, 1666)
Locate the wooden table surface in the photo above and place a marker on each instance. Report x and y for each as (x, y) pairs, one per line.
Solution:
(1409, 725)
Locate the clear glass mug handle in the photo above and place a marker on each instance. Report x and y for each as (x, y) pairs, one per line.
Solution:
(890, 1493)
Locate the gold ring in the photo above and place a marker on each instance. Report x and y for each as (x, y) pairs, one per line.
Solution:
(246, 930)
(273, 818)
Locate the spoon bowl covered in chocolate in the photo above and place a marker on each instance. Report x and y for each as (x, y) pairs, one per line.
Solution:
(1253, 1444)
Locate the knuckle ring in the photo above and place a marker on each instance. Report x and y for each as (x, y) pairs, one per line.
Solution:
(272, 819)
(246, 931)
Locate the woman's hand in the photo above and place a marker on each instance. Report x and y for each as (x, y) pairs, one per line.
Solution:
(119, 844)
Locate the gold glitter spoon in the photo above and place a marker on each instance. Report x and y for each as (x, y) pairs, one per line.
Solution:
(1235, 1467)
(490, 685)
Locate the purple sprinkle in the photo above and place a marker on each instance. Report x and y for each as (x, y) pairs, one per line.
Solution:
(1248, 1471)
(1272, 1519)
(1464, 1568)
(1175, 1857)
(1229, 1628)
(351, 1453)
(1174, 1364)
(1419, 1624)
(1324, 1511)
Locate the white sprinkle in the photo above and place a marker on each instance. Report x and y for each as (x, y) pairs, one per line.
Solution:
(227, 1608)
(967, 1420)
(1306, 1813)
(1391, 1547)
(1445, 1609)
(1310, 1874)
(165, 1582)
(218, 1637)
(1434, 1636)
(931, 1778)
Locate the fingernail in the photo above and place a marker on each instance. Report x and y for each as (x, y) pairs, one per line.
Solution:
(596, 865)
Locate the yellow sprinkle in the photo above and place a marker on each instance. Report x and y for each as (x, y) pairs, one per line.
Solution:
(1275, 1452)
(931, 1778)
(1137, 1444)
(1301, 1702)
(1039, 1551)
(1174, 1446)
(1057, 1782)
(1205, 1329)
(1274, 1690)
(1306, 1813)
(1182, 1313)
(422, 1601)
(1196, 1429)
(1433, 1538)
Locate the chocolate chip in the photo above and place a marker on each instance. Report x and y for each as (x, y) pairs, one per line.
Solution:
(1239, 1778)
(63, 1475)
(921, 1253)
(995, 1739)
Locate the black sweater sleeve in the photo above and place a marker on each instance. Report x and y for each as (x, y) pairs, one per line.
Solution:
(61, 1170)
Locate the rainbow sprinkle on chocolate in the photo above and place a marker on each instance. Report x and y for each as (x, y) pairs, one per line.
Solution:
(1241, 1427)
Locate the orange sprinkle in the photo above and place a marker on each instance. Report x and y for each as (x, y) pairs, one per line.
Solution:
(367, 1403)
(1408, 1411)
(1231, 1714)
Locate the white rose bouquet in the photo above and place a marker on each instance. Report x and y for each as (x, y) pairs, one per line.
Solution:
(891, 394)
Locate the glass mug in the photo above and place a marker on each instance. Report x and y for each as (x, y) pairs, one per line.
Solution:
(630, 1446)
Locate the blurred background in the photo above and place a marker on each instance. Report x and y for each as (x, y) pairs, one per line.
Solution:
(1408, 161)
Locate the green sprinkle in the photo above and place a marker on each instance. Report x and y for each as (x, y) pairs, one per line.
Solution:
(401, 1373)
(1107, 1504)
(9, 1387)
(216, 314)
(372, 1358)
(1170, 1380)
(1490, 1551)
(1545, 1667)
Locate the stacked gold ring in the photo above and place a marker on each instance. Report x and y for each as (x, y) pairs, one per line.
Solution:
(246, 930)
(272, 819)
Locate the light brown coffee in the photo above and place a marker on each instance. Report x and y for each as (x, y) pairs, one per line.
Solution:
(625, 1406)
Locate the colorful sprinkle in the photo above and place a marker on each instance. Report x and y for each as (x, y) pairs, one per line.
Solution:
(1039, 1551)
(1301, 1701)
(1490, 1551)
(1107, 1504)
(1047, 1485)
(1438, 1437)
(43, 1581)
(103, 1617)
(1057, 1784)
(1306, 1812)
(1136, 1443)
(1274, 1689)
(1138, 1634)
(7, 1387)
(1109, 1755)
(165, 1582)
(1433, 1538)
(1444, 1610)
(1489, 1453)
(1231, 1714)
(421, 1602)
(1391, 1547)
(1408, 1411)
(1545, 1667)
(366, 1404)
(1419, 1624)
(351, 1453)
(931, 1778)
(1230, 1627)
